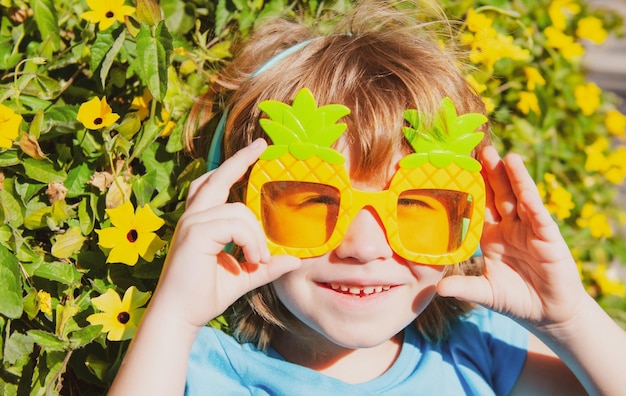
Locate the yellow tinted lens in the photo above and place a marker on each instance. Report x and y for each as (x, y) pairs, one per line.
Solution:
(432, 221)
(299, 214)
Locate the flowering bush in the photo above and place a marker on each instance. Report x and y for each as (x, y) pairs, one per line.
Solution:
(93, 174)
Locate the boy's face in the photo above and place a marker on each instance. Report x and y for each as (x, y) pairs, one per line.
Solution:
(361, 294)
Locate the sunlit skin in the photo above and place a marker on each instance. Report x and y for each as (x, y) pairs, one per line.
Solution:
(348, 326)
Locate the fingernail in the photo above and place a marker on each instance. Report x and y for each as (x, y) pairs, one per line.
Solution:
(257, 143)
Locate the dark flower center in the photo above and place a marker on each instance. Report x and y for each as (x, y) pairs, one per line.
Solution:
(109, 14)
(123, 317)
(132, 236)
(97, 121)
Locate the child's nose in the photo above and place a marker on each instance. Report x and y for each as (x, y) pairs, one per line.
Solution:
(365, 239)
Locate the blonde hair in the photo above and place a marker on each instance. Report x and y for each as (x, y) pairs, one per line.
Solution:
(379, 62)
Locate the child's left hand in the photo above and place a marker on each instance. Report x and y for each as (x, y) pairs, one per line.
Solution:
(529, 273)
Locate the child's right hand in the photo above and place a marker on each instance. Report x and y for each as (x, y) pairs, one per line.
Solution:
(200, 280)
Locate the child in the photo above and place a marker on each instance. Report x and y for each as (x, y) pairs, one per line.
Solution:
(357, 307)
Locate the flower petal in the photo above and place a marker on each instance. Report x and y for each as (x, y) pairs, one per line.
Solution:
(110, 237)
(122, 332)
(133, 298)
(108, 302)
(106, 23)
(118, 332)
(125, 253)
(148, 244)
(104, 319)
(122, 216)
(88, 112)
(91, 16)
(109, 119)
(146, 220)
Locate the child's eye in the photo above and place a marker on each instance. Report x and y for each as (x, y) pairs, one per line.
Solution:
(320, 199)
(414, 202)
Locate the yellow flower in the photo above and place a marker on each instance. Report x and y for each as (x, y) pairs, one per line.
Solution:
(615, 122)
(45, 302)
(489, 105)
(596, 159)
(559, 10)
(587, 97)
(566, 44)
(167, 124)
(559, 200)
(608, 283)
(597, 223)
(132, 234)
(533, 77)
(119, 318)
(10, 123)
(591, 28)
(142, 104)
(477, 22)
(106, 12)
(487, 45)
(527, 102)
(96, 114)
(478, 87)
(616, 171)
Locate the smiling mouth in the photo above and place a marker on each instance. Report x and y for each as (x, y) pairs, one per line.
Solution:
(359, 291)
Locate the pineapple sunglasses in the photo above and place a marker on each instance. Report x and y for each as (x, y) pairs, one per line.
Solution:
(300, 191)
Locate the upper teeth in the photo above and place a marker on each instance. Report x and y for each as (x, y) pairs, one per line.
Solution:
(358, 290)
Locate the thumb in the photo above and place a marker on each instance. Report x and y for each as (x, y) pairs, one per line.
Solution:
(262, 274)
(474, 289)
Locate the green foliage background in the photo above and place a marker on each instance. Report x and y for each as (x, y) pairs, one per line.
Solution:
(51, 203)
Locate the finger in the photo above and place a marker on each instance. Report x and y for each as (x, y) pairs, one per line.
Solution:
(474, 289)
(261, 274)
(543, 225)
(230, 213)
(524, 187)
(491, 213)
(195, 184)
(215, 188)
(497, 177)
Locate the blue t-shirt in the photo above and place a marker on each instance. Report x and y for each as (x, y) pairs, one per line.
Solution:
(484, 355)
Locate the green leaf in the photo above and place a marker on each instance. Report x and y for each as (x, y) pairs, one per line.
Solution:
(69, 243)
(38, 218)
(59, 272)
(153, 52)
(47, 22)
(85, 219)
(30, 302)
(109, 58)
(43, 170)
(8, 158)
(36, 125)
(10, 285)
(77, 179)
(17, 347)
(100, 47)
(48, 341)
(84, 336)
(13, 212)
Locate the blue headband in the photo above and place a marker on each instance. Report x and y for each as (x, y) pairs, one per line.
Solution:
(214, 157)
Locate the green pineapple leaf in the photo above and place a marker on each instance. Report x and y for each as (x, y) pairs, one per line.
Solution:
(305, 129)
(450, 139)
